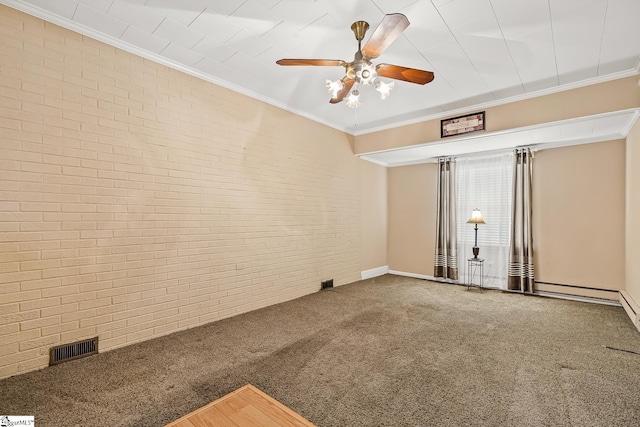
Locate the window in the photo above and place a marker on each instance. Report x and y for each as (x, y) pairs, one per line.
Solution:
(484, 182)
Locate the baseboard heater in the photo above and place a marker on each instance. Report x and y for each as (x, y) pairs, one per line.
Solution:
(627, 303)
(66, 352)
(631, 308)
(613, 300)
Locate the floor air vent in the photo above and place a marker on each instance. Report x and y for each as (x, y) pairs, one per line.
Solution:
(76, 350)
(326, 284)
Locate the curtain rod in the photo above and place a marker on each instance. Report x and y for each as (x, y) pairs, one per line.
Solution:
(489, 153)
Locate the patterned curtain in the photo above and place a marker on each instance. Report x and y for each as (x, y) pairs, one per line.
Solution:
(521, 271)
(446, 258)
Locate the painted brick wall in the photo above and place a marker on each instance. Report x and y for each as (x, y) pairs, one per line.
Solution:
(136, 200)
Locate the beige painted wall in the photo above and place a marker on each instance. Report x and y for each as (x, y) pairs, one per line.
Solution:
(632, 216)
(136, 200)
(578, 217)
(604, 97)
(374, 216)
(412, 218)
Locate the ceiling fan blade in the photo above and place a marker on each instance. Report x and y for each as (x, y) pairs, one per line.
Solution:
(411, 75)
(390, 28)
(320, 62)
(348, 84)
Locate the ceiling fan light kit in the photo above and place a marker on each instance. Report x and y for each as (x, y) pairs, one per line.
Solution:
(353, 100)
(334, 87)
(361, 70)
(384, 88)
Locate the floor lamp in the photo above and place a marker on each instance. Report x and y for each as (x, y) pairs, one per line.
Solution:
(476, 218)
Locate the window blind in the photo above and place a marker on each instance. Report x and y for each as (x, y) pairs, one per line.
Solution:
(485, 183)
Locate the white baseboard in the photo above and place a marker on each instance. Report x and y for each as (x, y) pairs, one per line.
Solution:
(631, 307)
(374, 272)
(415, 276)
(423, 276)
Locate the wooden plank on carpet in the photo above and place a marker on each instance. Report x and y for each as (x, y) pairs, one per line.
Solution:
(247, 406)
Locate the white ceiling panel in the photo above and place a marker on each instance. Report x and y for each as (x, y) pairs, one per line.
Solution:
(325, 39)
(147, 19)
(614, 65)
(534, 58)
(298, 13)
(254, 17)
(517, 18)
(371, 14)
(248, 44)
(577, 34)
(99, 21)
(99, 5)
(213, 67)
(347, 11)
(427, 29)
(60, 8)
(213, 50)
(250, 66)
(285, 36)
(392, 6)
(507, 92)
(494, 63)
(144, 40)
(215, 26)
(438, 3)
(481, 51)
(468, 19)
(454, 65)
(177, 33)
(182, 55)
(269, 4)
(222, 8)
(621, 36)
(270, 56)
(182, 11)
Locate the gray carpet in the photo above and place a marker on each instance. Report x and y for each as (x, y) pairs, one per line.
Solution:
(390, 351)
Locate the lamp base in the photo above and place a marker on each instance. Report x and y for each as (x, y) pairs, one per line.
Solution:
(476, 251)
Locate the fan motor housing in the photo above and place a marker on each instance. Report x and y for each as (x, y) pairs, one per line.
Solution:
(362, 71)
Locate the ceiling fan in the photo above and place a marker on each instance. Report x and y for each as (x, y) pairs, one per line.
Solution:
(361, 70)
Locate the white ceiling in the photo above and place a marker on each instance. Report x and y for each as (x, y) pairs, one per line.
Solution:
(483, 52)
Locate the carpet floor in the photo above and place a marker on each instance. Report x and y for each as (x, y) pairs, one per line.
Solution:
(389, 351)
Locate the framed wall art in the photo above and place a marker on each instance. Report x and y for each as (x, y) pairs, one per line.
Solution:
(462, 124)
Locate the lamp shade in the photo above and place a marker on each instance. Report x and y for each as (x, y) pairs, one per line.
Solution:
(476, 217)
